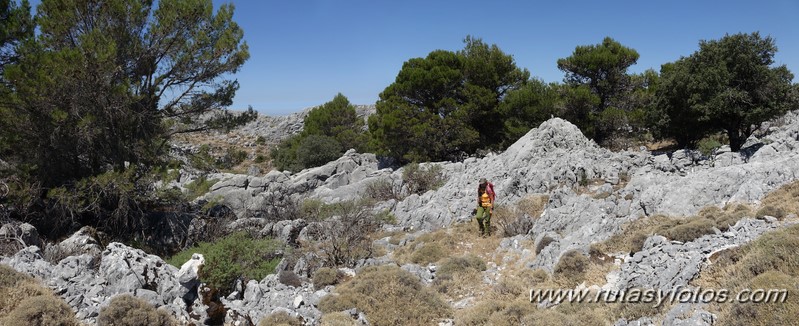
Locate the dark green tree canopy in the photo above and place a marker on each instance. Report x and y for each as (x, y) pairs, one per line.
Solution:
(329, 130)
(602, 67)
(16, 24)
(527, 107)
(598, 88)
(337, 119)
(95, 86)
(729, 84)
(446, 104)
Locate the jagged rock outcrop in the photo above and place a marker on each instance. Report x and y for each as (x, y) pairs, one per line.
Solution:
(270, 196)
(88, 282)
(554, 159)
(269, 296)
(665, 265)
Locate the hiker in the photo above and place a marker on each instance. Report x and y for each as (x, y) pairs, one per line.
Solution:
(485, 206)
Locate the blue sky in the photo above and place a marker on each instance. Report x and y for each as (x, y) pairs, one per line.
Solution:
(304, 52)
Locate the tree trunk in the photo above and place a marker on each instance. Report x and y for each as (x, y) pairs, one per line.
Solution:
(737, 139)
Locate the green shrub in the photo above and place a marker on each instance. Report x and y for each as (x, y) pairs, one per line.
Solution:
(199, 187)
(233, 156)
(44, 310)
(317, 150)
(708, 145)
(280, 318)
(389, 296)
(127, 310)
(325, 276)
(236, 255)
(203, 160)
(284, 155)
(418, 180)
(572, 267)
(583, 178)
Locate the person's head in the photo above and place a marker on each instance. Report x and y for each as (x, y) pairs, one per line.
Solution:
(482, 187)
(483, 182)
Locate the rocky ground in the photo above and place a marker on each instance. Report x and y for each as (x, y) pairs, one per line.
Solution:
(592, 194)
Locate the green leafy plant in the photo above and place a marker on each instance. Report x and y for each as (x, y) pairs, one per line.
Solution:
(236, 255)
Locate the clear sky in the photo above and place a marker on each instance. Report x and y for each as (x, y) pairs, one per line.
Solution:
(304, 52)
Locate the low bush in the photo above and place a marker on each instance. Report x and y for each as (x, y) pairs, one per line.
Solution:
(454, 265)
(388, 295)
(24, 301)
(199, 187)
(346, 236)
(280, 318)
(203, 160)
(340, 318)
(428, 253)
(289, 278)
(772, 211)
(127, 310)
(769, 262)
(234, 256)
(690, 230)
(383, 189)
(545, 241)
(767, 313)
(418, 179)
(571, 267)
(325, 276)
(317, 150)
(785, 199)
(46, 310)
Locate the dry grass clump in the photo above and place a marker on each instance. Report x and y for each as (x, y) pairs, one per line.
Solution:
(45, 310)
(325, 276)
(683, 229)
(520, 311)
(571, 268)
(428, 253)
(781, 202)
(427, 248)
(770, 262)
(388, 295)
(519, 219)
(23, 301)
(127, 310)
(280, 318)
(337, 319)
(766, 313)
(459, 276)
